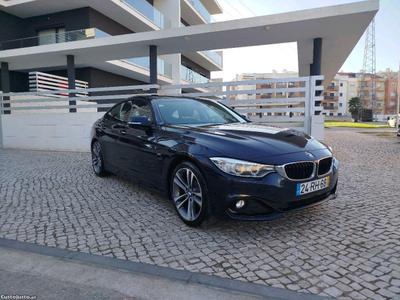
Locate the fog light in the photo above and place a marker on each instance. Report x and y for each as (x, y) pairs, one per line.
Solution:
(240, 204)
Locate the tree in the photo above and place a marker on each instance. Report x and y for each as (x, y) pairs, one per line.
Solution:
(354, 106)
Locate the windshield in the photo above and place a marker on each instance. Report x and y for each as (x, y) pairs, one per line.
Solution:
(195, 112)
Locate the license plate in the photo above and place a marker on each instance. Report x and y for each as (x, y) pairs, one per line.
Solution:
(312, 186)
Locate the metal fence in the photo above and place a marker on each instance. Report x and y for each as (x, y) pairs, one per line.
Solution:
(284, 100)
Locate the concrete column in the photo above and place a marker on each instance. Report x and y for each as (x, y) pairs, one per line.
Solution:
(153, 67)
(315, 68)
(5, 84)
(71, 80)
(171, 9)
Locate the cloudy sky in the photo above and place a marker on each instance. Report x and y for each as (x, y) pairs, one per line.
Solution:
(284, 56)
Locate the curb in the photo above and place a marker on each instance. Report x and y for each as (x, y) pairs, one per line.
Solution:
(161, 272)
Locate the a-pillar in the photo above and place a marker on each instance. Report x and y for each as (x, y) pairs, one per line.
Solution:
(71, 80)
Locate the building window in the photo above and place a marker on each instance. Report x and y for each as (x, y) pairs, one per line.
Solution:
(331, 114)
(351, 93)
(393, 84)
(393, 94)
(339, 114)
(332, 94)
(340, 104)
(352, 84)
(341, 84)
(331, 104)
(324, 114)
(392, 103)
(341, 94)
(291, 83)
(392, 112)
(51, 36)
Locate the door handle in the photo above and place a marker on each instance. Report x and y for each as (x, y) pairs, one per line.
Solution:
(123, 132)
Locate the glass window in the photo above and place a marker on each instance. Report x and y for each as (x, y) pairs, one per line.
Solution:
(195, 112)
(341, 84)
(119, 113)
(51, 36)
(141, 108)
(340, 104)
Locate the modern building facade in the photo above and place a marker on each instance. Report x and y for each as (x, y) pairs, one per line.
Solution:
(44, 22)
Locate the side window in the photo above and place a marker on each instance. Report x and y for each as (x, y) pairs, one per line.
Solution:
(120, 113)
(141, 108)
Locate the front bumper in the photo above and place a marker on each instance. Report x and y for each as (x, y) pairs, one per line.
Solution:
(265, 198)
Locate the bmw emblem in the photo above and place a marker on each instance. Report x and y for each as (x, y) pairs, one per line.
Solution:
(310, 155)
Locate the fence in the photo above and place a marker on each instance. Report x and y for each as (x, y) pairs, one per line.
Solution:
(34, 120)
(40, 82)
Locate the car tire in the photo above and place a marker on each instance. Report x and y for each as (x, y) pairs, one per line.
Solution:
(189, 194)
(97, 160)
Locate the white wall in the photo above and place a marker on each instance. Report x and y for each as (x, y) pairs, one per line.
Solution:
(318, 127)
(55, 131)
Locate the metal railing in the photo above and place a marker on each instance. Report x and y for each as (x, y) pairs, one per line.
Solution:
(299, 109)
(192, 76)
(62, 37)
(147, 10)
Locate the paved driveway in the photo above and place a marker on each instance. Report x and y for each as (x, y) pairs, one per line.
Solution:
(346, 248)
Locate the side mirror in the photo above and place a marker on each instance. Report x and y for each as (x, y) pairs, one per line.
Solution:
(139, 123)
(246, 118)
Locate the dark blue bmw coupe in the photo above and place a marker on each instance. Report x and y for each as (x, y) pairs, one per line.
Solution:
(210, 160)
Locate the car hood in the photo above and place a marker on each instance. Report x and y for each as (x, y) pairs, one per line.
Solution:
(252, 140)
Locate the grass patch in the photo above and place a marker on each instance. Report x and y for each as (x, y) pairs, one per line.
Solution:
(353, 125)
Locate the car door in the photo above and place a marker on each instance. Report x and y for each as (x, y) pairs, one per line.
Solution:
(138, 147)
(111, 127)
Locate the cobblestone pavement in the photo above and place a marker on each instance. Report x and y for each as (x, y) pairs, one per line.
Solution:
(345, 248)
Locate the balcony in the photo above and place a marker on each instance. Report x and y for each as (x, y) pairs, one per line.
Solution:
(194, 12)
(334, 98)
(192, 76)
(63, 37)
(147, 10)
(163, 68)
(333, 88)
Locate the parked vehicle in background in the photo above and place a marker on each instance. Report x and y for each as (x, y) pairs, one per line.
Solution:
(210, 160)
(392, 122)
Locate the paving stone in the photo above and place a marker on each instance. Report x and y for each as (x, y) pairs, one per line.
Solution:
(344, 248)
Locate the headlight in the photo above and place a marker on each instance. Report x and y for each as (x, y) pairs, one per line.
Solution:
(335, 163)
(241, 168)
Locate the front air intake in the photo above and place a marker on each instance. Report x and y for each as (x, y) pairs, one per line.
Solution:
(301, 170)
(324, 166)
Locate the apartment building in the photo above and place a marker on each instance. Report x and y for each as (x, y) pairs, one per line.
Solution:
(391, 90)
(44, 22)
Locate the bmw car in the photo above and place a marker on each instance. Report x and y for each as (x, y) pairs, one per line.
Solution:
(210, 160)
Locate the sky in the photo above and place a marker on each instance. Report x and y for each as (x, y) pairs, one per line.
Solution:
(284, 56)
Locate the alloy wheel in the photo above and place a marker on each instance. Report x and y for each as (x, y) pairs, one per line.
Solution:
(96, 157)
(187, 194)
